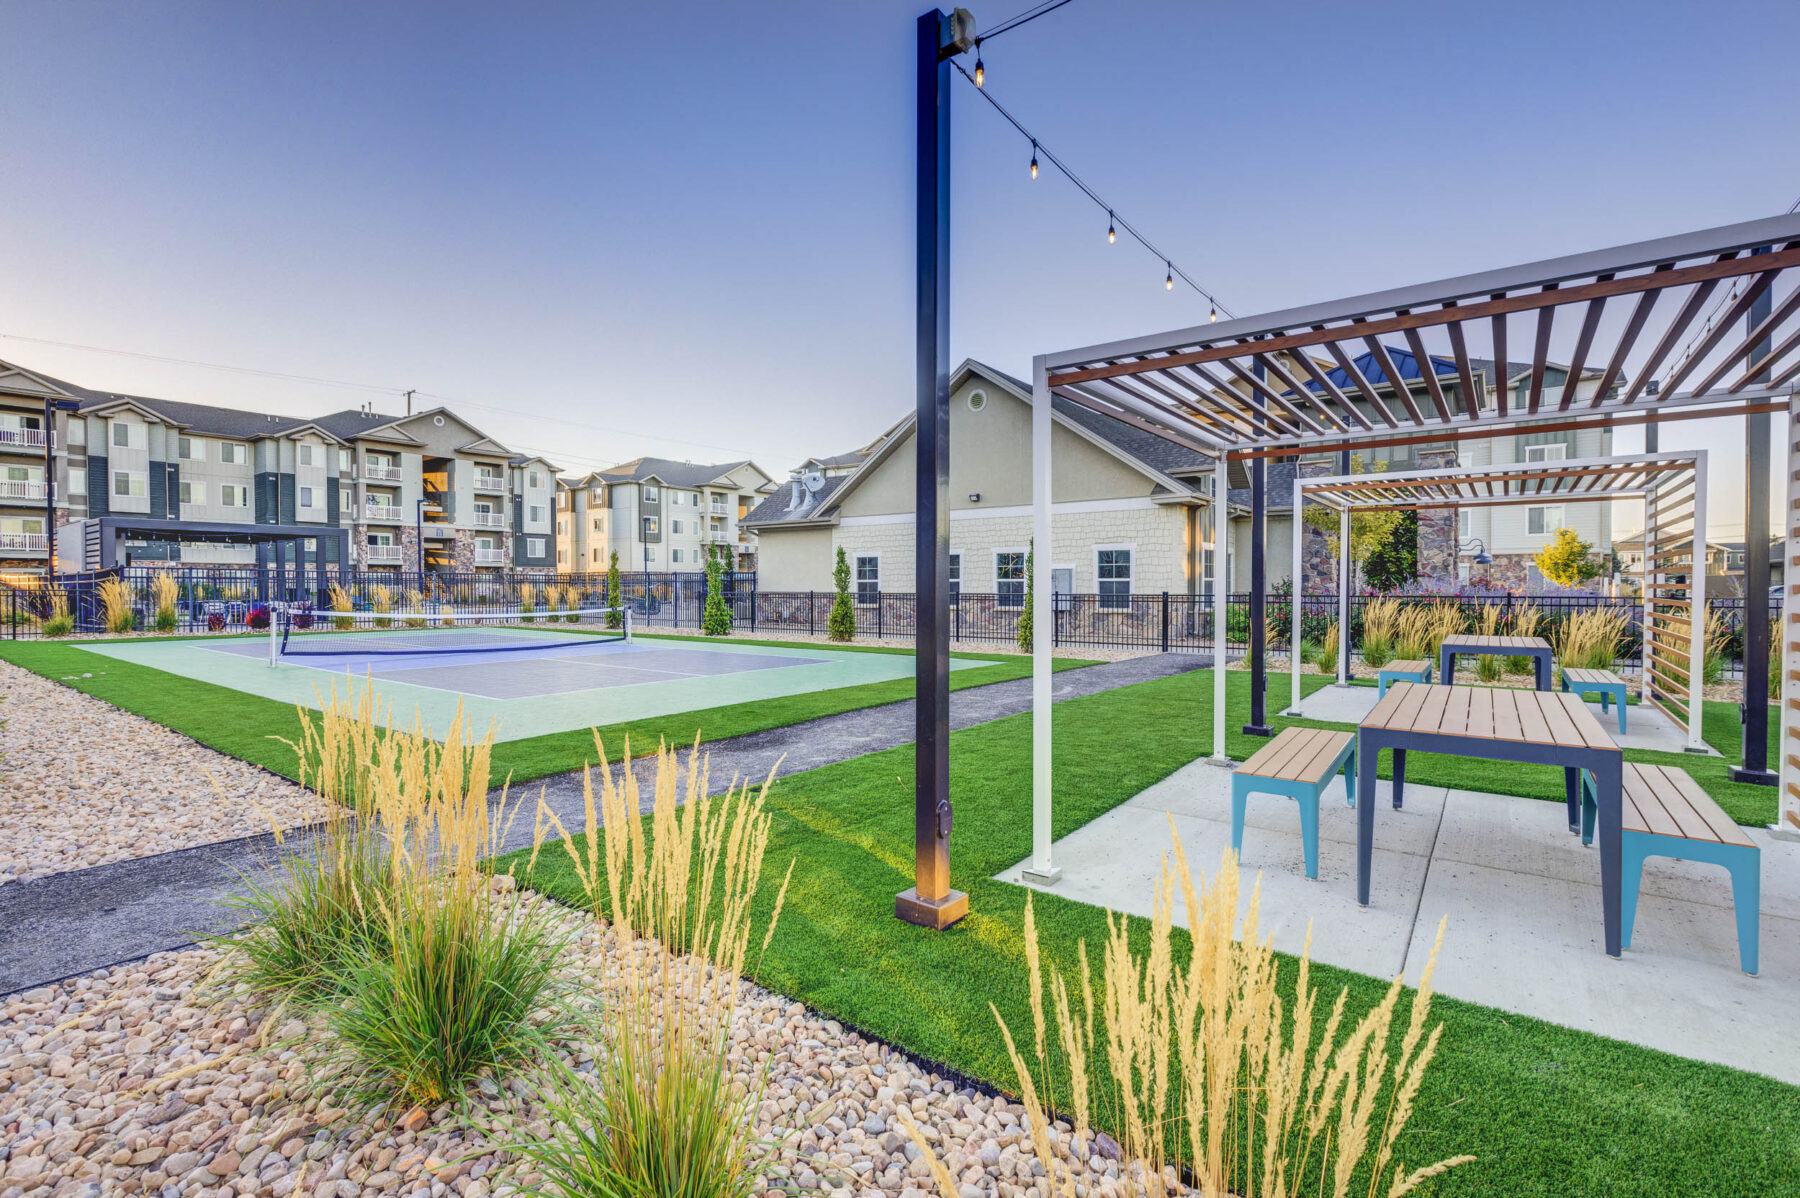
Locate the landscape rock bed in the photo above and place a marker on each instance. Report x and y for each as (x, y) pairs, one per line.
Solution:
(85, 783)
(149, 1079)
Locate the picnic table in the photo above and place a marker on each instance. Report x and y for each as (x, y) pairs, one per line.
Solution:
(1474, 645)
(1500, 724)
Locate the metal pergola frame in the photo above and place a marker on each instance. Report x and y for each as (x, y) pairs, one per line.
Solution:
(1580, 480)
(1646, 345)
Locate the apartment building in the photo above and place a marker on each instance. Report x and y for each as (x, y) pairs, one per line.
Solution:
(25, 524)
(659, 515)
(142, 479)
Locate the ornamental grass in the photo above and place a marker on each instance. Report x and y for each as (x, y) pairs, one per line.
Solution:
(1490, 667)
(1381, 622)
(1589, 640)
(1212, 1075)
(340, 601)
(663, 1114)
(163, 595)
(1527, 619)
(117, 612)
(57, 621)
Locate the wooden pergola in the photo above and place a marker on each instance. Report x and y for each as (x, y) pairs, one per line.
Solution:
(1673, 488)
(1693, 326)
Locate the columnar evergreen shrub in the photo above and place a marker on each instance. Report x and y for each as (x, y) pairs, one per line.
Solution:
(841, 625)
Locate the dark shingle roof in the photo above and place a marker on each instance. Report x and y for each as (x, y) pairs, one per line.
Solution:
(357, 423)
(1279, 487)
(675, 474)
(780, 508)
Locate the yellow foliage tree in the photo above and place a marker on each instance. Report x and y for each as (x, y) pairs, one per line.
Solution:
(1568, 560)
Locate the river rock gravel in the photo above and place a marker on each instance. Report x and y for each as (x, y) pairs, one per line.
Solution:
(84, 783)
(150, 1079)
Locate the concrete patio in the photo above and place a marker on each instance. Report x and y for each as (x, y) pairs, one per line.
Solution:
(1646, 727)
(1523, 900)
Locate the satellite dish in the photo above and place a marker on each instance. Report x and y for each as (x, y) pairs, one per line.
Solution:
(813, 481)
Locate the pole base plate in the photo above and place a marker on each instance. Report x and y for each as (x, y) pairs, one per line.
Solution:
(936, 914)
(1041, 877)
(1258, 730)
(1755, 777)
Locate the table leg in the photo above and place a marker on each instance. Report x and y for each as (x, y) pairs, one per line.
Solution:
(1446, 665)
(1608, 782)
(1399, 775)
(1542, 662)
(1368, 756)
(1572, 795)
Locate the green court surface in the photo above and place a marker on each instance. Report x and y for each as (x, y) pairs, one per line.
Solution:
(533, 691)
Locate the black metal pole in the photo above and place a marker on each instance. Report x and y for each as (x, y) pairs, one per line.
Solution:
(1754, 711)
(931, 902)
(1259, 497)
(50, 488)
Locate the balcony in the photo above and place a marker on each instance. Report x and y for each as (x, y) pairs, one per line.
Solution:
(381, 555)
(490, 557)
(24, 542)
(438, 530)
(375, 472)
(31, 439)
(490, 483)
(14, 491)
(386, 513)
(489, 519)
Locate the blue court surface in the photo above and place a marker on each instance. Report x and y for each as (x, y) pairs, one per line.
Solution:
(525, 681)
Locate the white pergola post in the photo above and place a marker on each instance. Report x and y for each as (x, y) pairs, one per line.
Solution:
(1697, 614)
(1297, 591)
(1343, 678)
(1043, 631)
(1221, 557)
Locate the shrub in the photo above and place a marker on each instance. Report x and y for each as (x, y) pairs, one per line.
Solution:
(257, 617)
(1721, 635)
(1326, 650)
(841, 624)
(116, 611)
(665, 1115)
(340, 601)
(163, 594)
(1489, 667)
(615, 593)
(215, 622)
(528, 603)
(1526, 620)
(1381, 620)
(415, 602)
(1589, 640)
(1206, 1053)
(1027, 616)
(715, 620)
(56, 619)
(381, 601)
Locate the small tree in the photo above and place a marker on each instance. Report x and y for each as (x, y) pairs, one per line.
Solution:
(614, 600)
(1025, 623)
(1395, 562)
(841, 625)
(716, 620)
(1568, 560)
(1371, 530)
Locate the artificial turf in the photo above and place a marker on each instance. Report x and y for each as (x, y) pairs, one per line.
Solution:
(1550, 1111)
(249, 726)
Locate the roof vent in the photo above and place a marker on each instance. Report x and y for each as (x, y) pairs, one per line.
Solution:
(812, 480)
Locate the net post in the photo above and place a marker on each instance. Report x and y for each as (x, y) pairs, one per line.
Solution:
(627, 624)
(274, 647)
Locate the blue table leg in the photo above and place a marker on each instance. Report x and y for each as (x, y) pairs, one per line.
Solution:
(1572, 796)
(1608, 769)
(1369, 754)
(1399, 776)
(1446, 665)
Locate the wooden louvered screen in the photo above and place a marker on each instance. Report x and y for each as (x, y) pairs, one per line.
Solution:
(1789, 819)
(1674, 619)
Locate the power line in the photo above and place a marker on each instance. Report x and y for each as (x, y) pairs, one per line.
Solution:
(1731, 297)
(267, 374)
(1025, 18)
(1114, 220)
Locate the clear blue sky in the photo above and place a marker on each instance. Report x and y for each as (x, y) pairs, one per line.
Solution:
(685, 229)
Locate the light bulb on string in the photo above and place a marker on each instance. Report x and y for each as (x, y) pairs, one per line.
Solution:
(1214, 315)
(1111, 234)
(980, 71)
(1169, 279)
(1034, 158)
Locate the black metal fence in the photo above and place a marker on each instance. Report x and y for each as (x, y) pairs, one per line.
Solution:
(237, 599)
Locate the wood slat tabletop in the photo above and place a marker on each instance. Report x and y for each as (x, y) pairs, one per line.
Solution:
(1498, 713)
(1496, 643)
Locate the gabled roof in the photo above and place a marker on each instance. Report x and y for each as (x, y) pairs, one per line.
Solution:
(672, 473)
(356, 423)
(780, 508)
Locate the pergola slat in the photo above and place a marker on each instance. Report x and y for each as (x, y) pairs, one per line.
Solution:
(1385, 360)
(1465, 374)
(1428, 371)
(1720, 329)
(1777, 316)
(1672, 336)
(1363, 386)
(1590, 324)
(1540, 356)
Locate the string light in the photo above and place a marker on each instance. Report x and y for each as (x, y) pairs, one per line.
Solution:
(1112, 234)
(1169, 279)
(1213, 316)
(980, 71)
(1034, 158)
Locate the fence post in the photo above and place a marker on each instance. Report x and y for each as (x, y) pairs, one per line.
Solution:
(809, 613)
(881, 615)
(1165, 621)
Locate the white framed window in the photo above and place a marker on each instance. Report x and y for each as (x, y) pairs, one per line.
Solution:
(675, 527)
(130, 483)
(78, 482)
(192, 449)
(651, 494)
(1112, 575)
(562, 555)
(675, 556)
(866, 574)
(650, 526)
(193, 492)
(596, 556)
(1009, 578)
(346, 498)
(955, 578)
(232, 495)
(534, 546)
(306, 454)
(77, 431)
(307, 496)
(121, 436)
(1464, 520)
(1554, 452)
(533, 479)
(234, 453)
(562, 528)
(1542, 521)
(597, 527)
(650, 554)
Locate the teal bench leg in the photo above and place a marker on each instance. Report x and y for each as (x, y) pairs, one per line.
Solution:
(1350, 779)
(1306, 796)
(1608, 695)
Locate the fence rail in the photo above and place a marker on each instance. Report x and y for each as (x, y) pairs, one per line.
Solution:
(228, 598)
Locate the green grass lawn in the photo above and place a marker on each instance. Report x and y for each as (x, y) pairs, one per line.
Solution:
(1549, 1111)
(244, 725)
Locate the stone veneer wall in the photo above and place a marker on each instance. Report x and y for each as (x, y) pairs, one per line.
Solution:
(1318, 564)
(1437, 529)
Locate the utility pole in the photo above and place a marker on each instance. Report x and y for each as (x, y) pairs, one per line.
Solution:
(409, 396)
(1754, 711)
(930, 902)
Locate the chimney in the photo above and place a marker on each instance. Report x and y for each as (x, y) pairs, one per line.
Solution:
(798, 492)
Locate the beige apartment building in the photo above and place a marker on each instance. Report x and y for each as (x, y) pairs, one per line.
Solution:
(658, 515)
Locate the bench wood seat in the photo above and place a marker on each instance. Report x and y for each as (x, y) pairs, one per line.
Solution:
(1665, 813)
(1299, 763)
(1407, 669)
(1609, 686)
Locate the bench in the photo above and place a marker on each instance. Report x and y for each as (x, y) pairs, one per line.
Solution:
(1666, 814)
(1402, 671)
(1298, 764)
(1609, 686)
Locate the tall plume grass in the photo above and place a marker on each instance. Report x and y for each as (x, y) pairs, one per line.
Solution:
(1423, 628)
(415, 602)
(1720, 633)
(56, 621)
(1381, 623)
(528, 597)
(384, 921)
(1527, 619)
(1490, 667)
(381, 601)
(340, 601)
(1589, 640)
(1211, 1070)
(116, 606)
(664, 1115)
(1325, 655)
(163, 595)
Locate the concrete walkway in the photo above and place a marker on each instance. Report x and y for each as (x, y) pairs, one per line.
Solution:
(70, 923)
(1522, 897)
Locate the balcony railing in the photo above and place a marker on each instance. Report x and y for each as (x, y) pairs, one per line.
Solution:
(376, 472)
(21, 438)
(381, 511)
(489, 482)
(13, 489)
(490, 557)
(489, 520)
(24, 542)
(382, 555)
